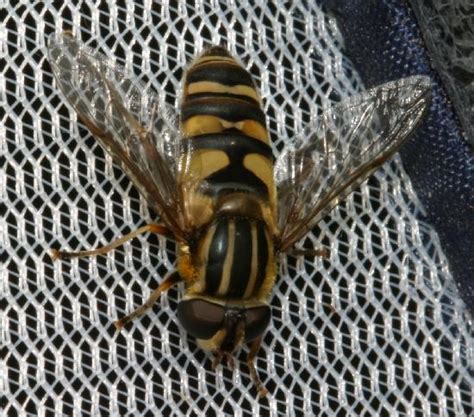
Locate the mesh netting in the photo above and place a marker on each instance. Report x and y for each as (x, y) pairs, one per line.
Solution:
(376, 330)
(448, 31)
(384, 42)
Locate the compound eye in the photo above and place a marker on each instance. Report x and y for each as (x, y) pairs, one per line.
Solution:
(257, 320)
(201, 318)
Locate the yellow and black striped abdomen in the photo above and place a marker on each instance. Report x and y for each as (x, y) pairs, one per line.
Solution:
(219, 94)
(224, 135)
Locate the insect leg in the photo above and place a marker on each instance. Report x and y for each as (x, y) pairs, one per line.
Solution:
(169, 281)
(153, 228)
(254, 348)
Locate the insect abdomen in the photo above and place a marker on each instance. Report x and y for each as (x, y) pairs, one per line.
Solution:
(223, 123)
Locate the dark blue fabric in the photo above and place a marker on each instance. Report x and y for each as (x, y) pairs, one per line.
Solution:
(383, 41)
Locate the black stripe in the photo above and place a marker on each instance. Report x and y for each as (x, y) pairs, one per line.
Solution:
(222, 107)
(220, 72)
(242, 261)
(262, 255)
(216, 257)
(227, 141)
(234, 177)
(213, 60)
(211, 95)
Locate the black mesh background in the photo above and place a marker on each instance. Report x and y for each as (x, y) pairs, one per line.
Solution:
(384, 42)
(448, 31)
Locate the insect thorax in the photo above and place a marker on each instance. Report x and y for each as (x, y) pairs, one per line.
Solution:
(237, 256)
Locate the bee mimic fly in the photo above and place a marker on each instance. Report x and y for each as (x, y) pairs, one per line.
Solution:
(231, 207)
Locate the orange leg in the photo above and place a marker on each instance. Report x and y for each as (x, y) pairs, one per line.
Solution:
(254, 348)
(153, 228)
(171, 280)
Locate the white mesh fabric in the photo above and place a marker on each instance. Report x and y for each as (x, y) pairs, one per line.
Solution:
(377, 330)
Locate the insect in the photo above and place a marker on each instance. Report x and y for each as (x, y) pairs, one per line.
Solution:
(211, 176)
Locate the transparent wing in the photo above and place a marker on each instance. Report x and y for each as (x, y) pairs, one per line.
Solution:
(353, 138)
(140, 133)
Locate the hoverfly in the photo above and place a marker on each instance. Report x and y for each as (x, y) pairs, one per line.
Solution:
(230, 206)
